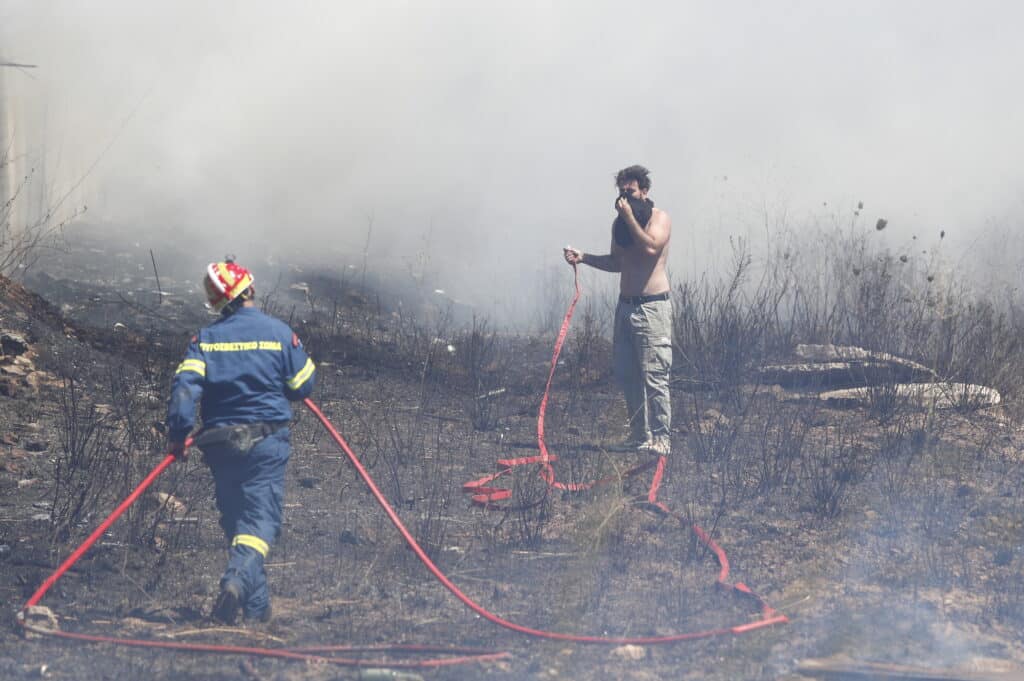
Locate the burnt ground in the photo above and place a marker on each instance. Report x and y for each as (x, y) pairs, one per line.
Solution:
(885, 534)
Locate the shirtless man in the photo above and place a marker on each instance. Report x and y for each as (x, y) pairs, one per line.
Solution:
(642, 346)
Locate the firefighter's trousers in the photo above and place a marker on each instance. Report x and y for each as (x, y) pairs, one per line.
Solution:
(250, 497)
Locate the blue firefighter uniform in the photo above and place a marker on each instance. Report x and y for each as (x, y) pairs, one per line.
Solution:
(244, 369)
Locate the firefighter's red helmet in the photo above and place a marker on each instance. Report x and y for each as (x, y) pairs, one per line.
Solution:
(225, 281)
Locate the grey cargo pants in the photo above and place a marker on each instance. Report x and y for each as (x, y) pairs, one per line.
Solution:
(642, 356)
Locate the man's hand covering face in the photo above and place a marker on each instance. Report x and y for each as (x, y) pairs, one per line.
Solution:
(642, 211)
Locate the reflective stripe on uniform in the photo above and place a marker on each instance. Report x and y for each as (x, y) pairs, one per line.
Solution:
(253, 542)
(196, 365)
(302, 376)
(240, 346)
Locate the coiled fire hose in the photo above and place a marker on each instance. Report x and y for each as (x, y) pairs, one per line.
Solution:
(483, 495)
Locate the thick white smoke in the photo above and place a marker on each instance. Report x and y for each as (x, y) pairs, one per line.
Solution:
(481, 137)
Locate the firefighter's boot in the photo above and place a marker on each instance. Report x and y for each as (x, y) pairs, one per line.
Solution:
(229, 602)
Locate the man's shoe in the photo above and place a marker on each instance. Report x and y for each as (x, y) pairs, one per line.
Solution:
(658, 446)
(631, 444)
(229, 602)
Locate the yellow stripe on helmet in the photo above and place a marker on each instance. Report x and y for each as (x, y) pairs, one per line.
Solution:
(237, 288)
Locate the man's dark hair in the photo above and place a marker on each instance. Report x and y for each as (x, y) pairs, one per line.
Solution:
(638, 173)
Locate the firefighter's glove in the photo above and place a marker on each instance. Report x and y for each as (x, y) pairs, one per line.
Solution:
(177, 449)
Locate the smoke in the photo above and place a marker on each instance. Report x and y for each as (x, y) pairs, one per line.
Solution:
(473, 140)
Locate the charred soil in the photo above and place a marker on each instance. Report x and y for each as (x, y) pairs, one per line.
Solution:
(890, 537)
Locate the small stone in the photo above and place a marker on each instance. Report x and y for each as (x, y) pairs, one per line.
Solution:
(171, 503)
(40, 617)
(630, 652)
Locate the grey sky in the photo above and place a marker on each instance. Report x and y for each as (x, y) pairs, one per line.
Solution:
(484, 135)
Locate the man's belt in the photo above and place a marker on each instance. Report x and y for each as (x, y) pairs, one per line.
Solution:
(640, 300)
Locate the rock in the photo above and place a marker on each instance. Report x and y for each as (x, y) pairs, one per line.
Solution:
(9, 387)
(348, 537)
(629, 652)
(373, 674)
(851, 373)
(828, 352)
(924, 395)
(13, 343)
(39, 617)
(34, 380)
(36, 445)
(844, 366)
(171, 502)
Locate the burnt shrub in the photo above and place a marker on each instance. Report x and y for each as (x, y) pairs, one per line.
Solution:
(830, 469)
(725, 331)
(484, 367)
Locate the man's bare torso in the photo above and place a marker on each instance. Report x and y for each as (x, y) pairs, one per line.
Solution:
(643, 273)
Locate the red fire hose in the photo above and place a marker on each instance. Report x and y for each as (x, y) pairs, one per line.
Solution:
(459, 655)
(483, 495)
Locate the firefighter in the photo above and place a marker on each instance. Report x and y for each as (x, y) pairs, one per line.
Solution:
(243, 370)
